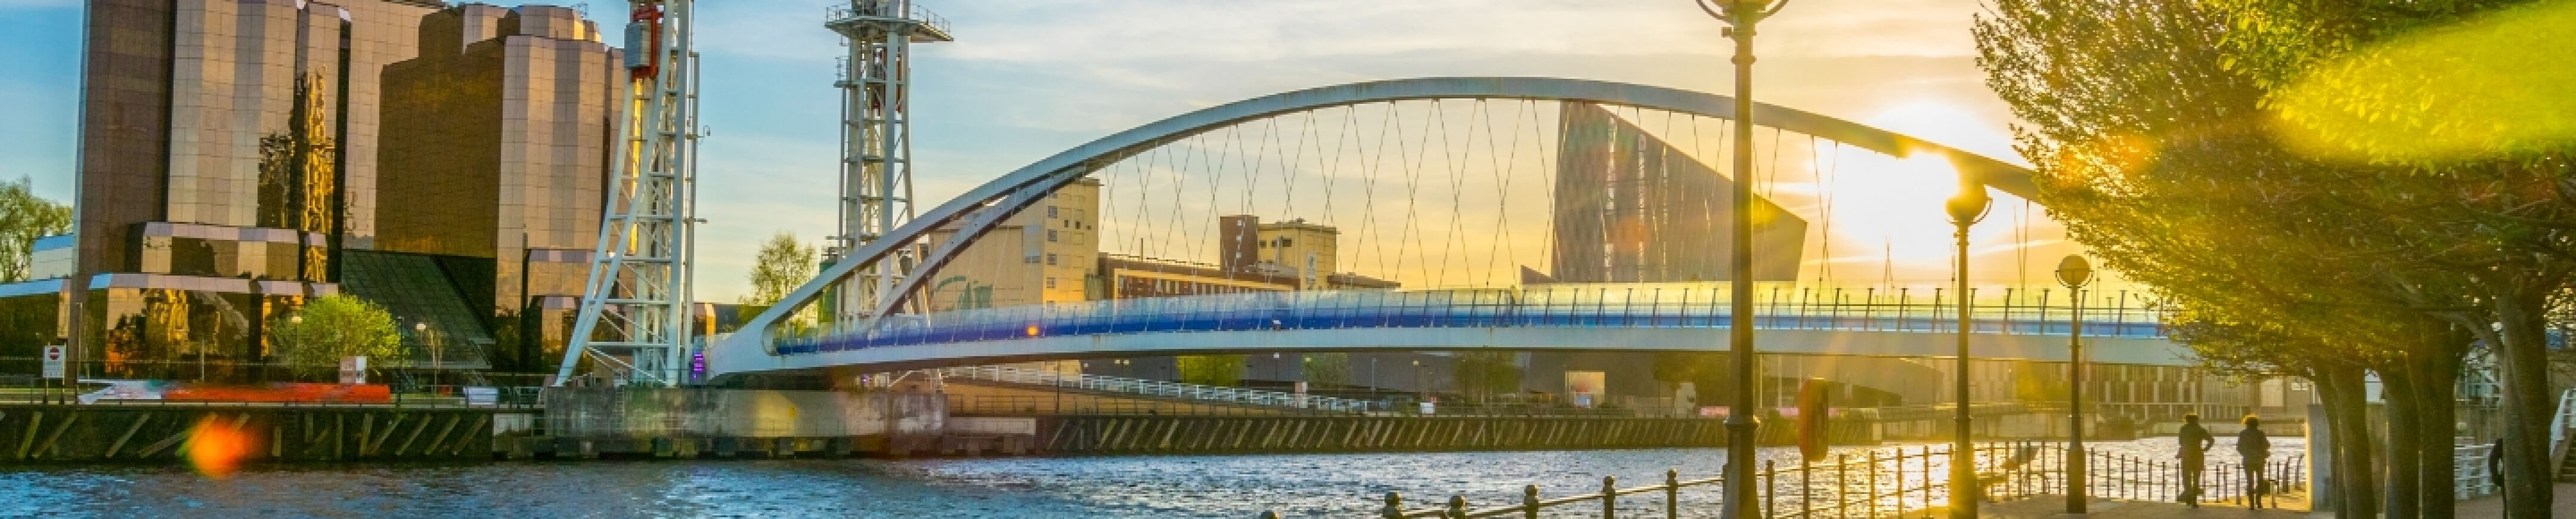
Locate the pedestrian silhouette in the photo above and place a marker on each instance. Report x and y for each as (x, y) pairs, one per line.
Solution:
(2194, 452)
(2254, 447)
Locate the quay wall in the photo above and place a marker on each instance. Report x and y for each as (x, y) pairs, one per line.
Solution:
(163, 433)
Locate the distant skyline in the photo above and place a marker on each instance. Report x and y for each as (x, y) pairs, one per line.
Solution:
(1030, 78)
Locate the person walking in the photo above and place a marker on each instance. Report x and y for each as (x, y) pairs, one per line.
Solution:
(2253, 446)
(2194, 452)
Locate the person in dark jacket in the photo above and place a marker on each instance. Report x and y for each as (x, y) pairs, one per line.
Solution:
(2254, 447)
(2194, 452)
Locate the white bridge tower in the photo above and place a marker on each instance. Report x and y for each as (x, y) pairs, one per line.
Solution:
(639, 286)
(876, 141)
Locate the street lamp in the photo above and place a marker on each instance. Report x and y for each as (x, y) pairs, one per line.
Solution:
(1965, 210)
(1740, 17)
(2074, 272)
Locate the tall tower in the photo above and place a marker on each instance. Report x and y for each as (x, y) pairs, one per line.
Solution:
(639, 272)
(876, 139)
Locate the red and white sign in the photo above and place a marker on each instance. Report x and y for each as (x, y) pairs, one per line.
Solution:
(54, 361)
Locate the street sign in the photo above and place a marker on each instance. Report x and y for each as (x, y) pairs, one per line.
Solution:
(353, 370)
(54, 361)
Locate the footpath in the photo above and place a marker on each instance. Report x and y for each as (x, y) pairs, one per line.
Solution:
(2292, 505)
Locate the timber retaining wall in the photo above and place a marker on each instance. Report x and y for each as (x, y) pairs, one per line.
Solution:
(1078, 435)
(35, 433)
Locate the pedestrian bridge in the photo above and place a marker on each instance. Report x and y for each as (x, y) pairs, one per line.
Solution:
(1409, 202)
(1624, 318)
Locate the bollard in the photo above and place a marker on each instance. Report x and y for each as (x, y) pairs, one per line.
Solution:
(1609, 497)
(1529, 501)
(1672, 493)
(1394, 506)
(1457, 507)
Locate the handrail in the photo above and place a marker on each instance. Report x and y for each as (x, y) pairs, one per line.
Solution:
(2020, 469)
(1658, 305)
(2470, 477)
(2559, 431)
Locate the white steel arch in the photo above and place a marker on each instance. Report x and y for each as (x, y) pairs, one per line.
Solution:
(1018, 189)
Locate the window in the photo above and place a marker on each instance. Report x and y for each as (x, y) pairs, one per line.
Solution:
(1050, 235)
(1283, 242)
(1050, 211)
(1050, 282)
(1050, 259)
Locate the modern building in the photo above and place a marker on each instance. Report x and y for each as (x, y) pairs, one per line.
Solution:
(1044, 254)
(508, 118)
(233, 154)
(1631, 208)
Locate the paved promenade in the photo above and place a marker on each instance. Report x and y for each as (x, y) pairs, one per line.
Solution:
(2293, 505)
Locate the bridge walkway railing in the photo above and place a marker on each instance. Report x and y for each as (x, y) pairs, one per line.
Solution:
(1640, 306)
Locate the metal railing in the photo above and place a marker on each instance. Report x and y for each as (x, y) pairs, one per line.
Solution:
(2469, 475)
(2561, 428)
(1899, 482)
(1156, 388)
(1655, 305)
(1031, 404)
(886, 9)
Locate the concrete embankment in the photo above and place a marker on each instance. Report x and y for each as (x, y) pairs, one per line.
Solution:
(669, 423)
(160, 433)
(1077, 435)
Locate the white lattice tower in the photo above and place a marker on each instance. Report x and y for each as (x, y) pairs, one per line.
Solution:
(636, 309)
(876, 139)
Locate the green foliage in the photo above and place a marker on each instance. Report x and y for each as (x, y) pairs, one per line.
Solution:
(1212, 370)
(315, 337)
(1328, 369)
(782, 265)
(1483, 374)
(24, 217)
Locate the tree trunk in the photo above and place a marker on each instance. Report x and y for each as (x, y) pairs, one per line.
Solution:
(2404, 441)
(2356, 492)
(2437, 379)
(2522, 356)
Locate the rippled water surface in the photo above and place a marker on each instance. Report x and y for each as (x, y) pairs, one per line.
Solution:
(1323, 485)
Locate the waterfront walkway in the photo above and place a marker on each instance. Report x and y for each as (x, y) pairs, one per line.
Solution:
(2292, 505)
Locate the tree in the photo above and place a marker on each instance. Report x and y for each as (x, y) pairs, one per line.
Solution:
(315, 337)
(2157, 129)
(1483, 374)
(1328, 369)
(1211, 370)
(782, 265)
(24, 217)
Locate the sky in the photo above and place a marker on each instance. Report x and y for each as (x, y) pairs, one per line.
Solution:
(1028, 78)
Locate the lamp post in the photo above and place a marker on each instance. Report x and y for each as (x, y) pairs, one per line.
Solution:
(2074, 272)
(421, 330)
(1965, 209)
(1740, 17)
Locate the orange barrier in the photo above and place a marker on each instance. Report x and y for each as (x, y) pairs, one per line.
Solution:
(287, 392)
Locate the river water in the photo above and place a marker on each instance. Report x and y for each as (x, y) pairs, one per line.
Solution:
(1312, 485)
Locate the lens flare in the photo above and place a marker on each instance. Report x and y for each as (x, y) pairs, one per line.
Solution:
(2491, 87)
(216, 448)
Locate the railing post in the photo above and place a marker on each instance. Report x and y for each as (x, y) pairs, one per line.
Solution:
(1609, 497)
(1529, 501)
(1806, 488)
(1873, 483)
(1842, 485)
(1672, 493)
(1770, 488)
(1394, 507)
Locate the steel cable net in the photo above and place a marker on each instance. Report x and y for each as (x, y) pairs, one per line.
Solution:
(1451, 212)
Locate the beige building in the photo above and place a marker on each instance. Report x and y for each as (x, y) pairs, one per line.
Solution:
(1045, 254)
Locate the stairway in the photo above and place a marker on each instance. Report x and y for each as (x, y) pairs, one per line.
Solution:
(2561, 430)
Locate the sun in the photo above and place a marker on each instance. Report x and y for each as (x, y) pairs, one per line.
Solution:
(1889, 208)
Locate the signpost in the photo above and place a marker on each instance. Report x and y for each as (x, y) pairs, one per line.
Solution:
(54, 361)
(54, 366)
(353, 370)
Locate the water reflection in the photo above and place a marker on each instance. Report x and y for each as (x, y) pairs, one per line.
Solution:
(1335, 485)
